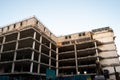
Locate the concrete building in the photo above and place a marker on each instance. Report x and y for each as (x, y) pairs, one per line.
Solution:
(29, 48)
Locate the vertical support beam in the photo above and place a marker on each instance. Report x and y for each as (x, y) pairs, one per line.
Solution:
(50, 56)
(32, 56)
(18, 37)
(57, 70)
(96, 51)
(2, 44)
(76, 61)
(0, 56)
(31, 66)
(39, 58)
(1, 50)
(15, 54)
(98, 65)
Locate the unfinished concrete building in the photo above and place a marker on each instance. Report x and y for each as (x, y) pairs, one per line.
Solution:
(29, 48)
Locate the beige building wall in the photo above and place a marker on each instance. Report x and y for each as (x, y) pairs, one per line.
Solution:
(108, 54)
(110, 61)
(74, 36)
(107, 47)
(112, 77)
(108, 50)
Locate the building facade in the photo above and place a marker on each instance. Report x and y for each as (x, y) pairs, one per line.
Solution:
(29, 48)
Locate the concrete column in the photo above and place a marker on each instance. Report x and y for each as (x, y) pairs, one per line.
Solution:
(57, 70)
(32, 56)
(15, 54)
(2, 44)
(31, 67)
(39, 58)
(0, 56)
(76, 61)
(96, 51)
(50, 56)
(18, 37)
(98, 65)
(1, 50)
(13, 64)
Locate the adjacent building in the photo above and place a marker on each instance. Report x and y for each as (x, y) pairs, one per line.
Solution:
(29, 48)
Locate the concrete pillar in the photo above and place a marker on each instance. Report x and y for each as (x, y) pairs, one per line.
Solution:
(98, 65)
(31, 67)
(2, 44)
(15, 54)
(76, 61)
(18, 37)
(95, 43)
(39, 58)
(50, 56)
(1, 50)
(13, 64)
(57, 70)
(32, 56)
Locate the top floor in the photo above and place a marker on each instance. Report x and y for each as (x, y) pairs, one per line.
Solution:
(34, 22)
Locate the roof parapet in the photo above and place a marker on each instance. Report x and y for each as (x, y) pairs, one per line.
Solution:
(104, 29)
(33, 21)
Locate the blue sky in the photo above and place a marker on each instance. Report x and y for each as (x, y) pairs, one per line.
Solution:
(65, 16)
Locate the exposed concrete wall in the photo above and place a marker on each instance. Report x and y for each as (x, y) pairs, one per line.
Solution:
(31, 21)
(11, 27)
(5, 29)
(45, 30)
(108, 47)
(118, 69)
(110, 61)
(112, 77)
(108, 54)
(24, 23)
(110, 68)
(112, 71)
(102, 35)
(18, 25)
(54, 37)
(41, 26)
(74, 36)
(105, 39)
